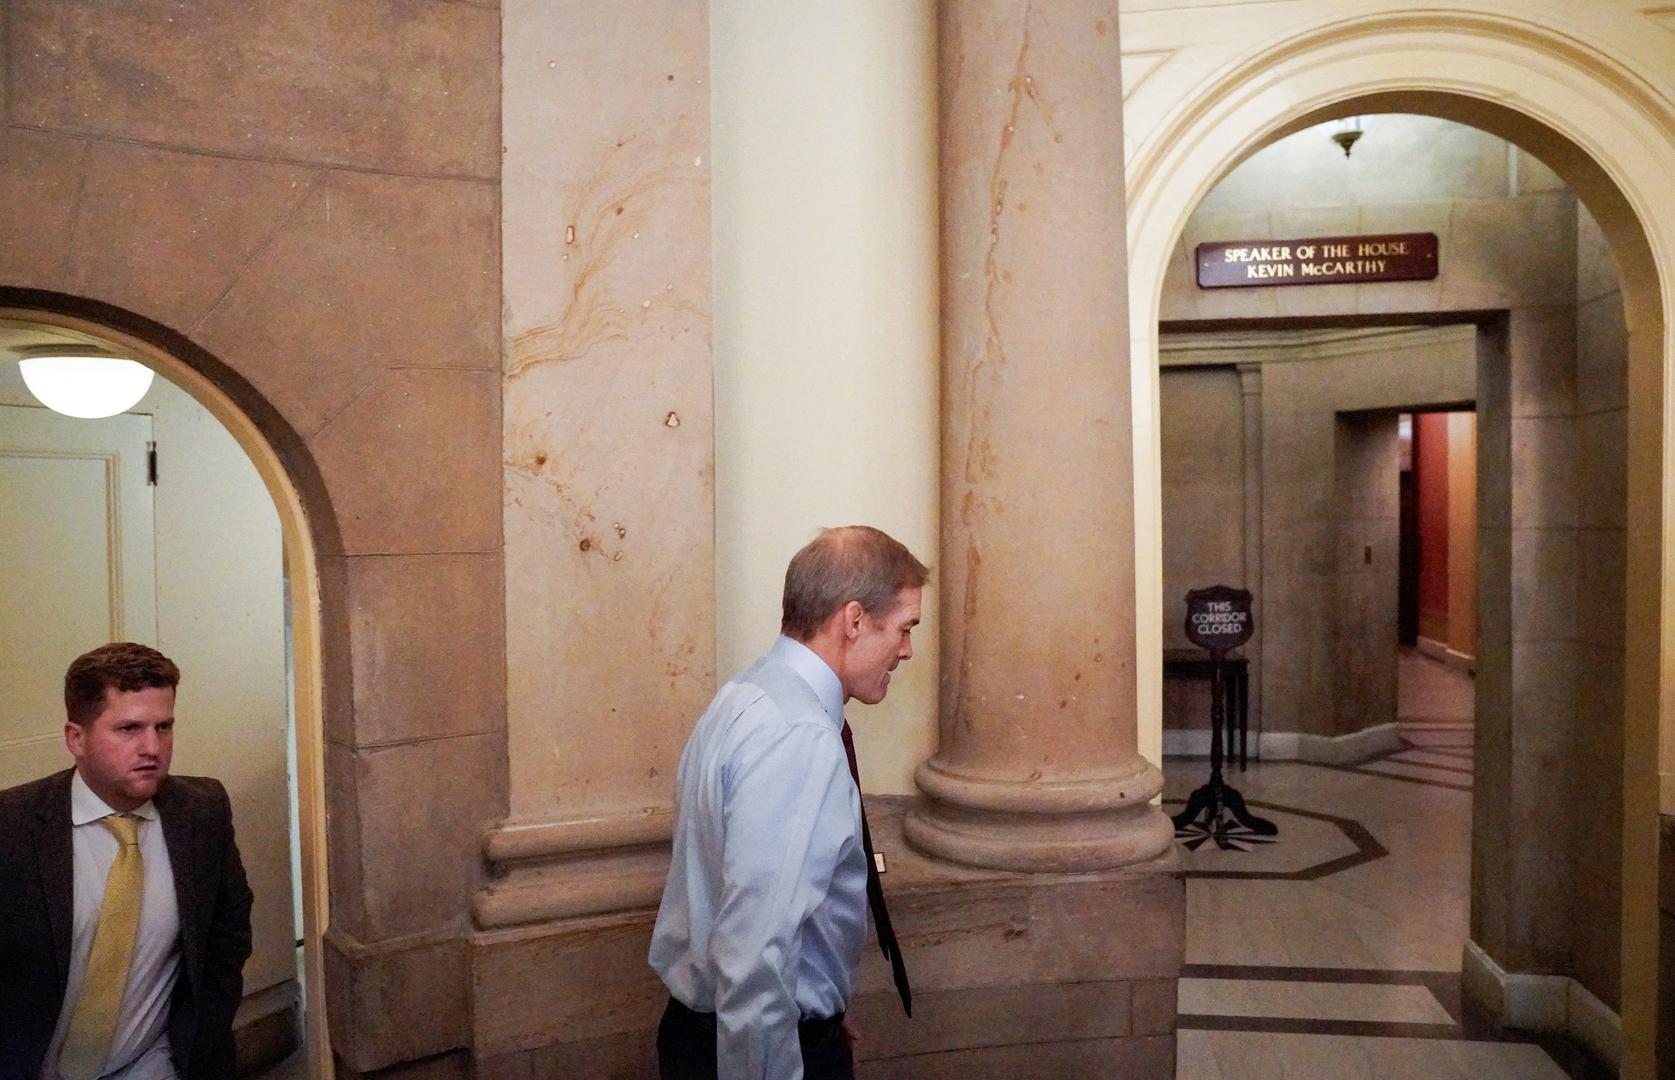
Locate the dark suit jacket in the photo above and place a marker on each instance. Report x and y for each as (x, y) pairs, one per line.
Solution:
(37, 882)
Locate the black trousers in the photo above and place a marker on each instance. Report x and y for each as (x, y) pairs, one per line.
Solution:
(686, 1046)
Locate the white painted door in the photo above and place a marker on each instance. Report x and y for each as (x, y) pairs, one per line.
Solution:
(77, 566)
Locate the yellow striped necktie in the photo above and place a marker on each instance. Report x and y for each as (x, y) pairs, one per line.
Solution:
(87, 1043)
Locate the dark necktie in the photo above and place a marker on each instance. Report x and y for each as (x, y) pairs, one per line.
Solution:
(875, 889)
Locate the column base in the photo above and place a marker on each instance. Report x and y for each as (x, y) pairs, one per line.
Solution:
(1037, 826)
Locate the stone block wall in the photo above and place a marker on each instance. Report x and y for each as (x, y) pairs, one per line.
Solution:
(227, 182)
(1596, 755)
(1367, 460)
(1320, 488)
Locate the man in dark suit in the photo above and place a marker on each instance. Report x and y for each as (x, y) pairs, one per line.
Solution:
(124, 911)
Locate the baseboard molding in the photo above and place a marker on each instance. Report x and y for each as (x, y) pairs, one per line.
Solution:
(1278, 746)
(1546, 1003)
(1195, 742)
(1186, 742)
(1294, 746)
(1593, 1023)
(1440, 651)
(1348, 749)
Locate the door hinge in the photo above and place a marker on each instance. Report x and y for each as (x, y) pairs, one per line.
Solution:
(151, 463)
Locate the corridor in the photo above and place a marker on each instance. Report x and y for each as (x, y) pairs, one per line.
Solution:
(1335, 952)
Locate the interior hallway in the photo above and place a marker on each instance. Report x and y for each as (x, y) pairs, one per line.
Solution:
(1335, 952)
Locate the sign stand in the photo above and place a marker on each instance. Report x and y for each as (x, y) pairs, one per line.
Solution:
(1218, 619)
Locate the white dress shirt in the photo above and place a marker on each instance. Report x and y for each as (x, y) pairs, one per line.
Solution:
(765, 911)
(140, 1048)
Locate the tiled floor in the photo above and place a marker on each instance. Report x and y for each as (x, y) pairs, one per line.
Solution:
(1334, 951)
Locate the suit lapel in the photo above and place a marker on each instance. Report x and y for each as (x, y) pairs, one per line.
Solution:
(177, 835)
(55, 855)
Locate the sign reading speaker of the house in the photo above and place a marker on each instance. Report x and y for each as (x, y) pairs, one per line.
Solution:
(1326, 260)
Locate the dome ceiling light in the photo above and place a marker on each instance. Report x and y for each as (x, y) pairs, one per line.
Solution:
(82, 381)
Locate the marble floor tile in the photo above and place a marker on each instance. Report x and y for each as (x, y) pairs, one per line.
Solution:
(1284, 1056)
(1457, 738)
(1414, 770)
(1432, 758)
(1195, 1056)
(1311, 1000)
(1428, 689)
(1262, 997)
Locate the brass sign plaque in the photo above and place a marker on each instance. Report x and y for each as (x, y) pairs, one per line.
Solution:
(1325, 260)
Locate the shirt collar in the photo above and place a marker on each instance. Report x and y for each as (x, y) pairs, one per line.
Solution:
(814, 671)
(86, 807)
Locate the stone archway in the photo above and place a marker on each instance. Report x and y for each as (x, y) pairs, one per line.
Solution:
(1612, 138)
(196, 372)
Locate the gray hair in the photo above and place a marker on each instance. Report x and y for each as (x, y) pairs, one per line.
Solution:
(854, 562)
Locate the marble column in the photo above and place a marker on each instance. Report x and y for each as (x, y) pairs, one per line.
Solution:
(1037, 767)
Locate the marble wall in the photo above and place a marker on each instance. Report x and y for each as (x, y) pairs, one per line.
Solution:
(1324, 506)
(826, 320)
(1596, 754)
(1366, 461)
(1202, 432)
(608, 436)
(1324, 494)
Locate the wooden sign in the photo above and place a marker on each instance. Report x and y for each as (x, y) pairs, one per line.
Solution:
(1327, 260)
(1219, 618)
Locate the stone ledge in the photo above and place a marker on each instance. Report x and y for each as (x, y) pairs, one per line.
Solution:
(554, 870)
(396, 1001)
(1006, 967)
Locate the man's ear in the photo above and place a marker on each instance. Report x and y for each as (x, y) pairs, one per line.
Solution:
(74, 737)
(853, 613)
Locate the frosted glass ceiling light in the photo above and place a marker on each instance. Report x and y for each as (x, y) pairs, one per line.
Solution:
(1348, 133)
(79, 382)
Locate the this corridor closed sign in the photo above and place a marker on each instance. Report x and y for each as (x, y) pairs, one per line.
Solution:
(1326, 260)
(1219, 618)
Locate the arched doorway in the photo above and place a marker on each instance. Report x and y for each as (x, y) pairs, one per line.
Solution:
(1607, 135)
(127, 335)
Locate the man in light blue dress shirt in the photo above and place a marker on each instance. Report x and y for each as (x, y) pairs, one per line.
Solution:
(765, 911)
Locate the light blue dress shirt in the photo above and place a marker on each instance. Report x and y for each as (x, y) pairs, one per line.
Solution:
(765, 912)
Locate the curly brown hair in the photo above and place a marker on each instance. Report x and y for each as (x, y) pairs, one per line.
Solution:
(124, 665)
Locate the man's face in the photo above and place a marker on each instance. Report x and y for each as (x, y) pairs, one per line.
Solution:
(123, 755)
(878, 646)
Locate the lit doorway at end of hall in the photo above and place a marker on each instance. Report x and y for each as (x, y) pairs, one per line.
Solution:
(1437, 586)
